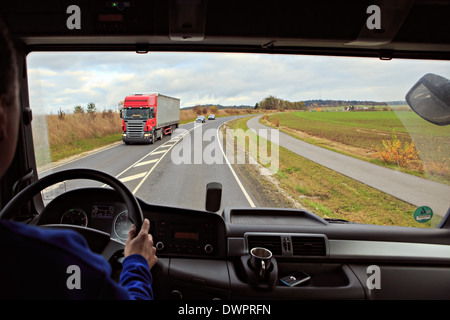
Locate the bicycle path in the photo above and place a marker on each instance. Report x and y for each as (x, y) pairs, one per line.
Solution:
(414, 190)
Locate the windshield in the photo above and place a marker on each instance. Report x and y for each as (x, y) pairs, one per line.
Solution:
(330, 135)
(135, 113)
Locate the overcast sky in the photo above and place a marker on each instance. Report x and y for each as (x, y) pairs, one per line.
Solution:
(64, 80)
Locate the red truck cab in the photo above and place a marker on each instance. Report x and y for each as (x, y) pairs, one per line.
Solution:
(140, 121)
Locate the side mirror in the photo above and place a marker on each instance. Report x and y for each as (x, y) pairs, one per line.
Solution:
(430, 99)
(121, 113)
(152, 113)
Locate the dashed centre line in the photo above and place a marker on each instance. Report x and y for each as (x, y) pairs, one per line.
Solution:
(133, 177)
(161, 150)
(144, 163)
(158, 152)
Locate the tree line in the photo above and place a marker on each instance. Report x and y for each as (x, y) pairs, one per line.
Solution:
(338, 103)
(274, 103)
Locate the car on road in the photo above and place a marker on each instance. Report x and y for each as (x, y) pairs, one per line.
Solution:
(211, 117)
(201, 119)
(243, 208)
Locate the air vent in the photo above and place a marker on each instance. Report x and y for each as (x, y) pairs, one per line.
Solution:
(308, 246)
(273, 243)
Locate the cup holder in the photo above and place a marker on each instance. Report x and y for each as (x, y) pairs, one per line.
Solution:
(268, 281)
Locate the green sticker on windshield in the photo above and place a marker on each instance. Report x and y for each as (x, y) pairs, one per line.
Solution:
(423, 214)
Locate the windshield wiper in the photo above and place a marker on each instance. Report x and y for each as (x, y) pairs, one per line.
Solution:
(334, 220)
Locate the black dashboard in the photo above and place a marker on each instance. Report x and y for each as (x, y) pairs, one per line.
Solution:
(176, 232)
(204, 255)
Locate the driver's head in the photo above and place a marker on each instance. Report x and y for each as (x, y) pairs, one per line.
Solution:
(9, 100)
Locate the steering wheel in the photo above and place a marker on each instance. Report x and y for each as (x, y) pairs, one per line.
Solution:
(109, 246)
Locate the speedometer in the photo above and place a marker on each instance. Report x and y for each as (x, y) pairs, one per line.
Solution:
(76, 217)
(122, 225)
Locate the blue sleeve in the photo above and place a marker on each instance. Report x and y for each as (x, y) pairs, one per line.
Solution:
(50, 252)
(136, 277)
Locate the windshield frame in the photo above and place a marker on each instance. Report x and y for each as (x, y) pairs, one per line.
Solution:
(125, 118)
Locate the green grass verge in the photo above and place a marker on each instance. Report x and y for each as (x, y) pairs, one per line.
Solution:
(72, 148)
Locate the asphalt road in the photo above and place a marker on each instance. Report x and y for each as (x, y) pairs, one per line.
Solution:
(411, 189)
(173, 171)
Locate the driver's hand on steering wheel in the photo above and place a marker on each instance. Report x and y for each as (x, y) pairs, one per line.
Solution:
(141, 244)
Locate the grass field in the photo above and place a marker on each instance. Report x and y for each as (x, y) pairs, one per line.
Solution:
(58, 137)
(328, 193)
(359, 134)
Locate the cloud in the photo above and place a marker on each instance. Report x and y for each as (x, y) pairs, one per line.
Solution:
(64, 80)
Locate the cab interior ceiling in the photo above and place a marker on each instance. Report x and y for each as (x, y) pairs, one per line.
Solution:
(409, 28)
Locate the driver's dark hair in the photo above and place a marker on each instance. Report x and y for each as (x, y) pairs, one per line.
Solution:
(8, 63)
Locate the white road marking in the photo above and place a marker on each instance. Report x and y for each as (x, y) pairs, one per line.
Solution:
(133, 177)
(158, 152)
(157, 162)
(247, 196)
(147, 174)
(165, 145)
(150, 171)
(135, 164)
(171, 143)
(145, 163)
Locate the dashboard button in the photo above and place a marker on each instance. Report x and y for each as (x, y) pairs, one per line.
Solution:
(208, 248)
(159, 246)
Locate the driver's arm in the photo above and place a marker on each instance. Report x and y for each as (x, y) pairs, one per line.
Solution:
(36, 262)
(142, 244)
(140, 257)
